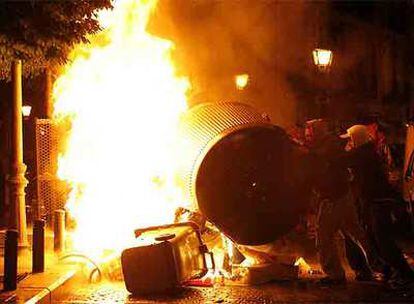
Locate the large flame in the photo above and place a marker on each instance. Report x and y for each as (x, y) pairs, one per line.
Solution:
(124, 100)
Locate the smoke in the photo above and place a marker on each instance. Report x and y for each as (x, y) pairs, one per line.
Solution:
(272, 41)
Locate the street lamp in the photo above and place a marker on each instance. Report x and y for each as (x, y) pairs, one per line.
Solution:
(26, 110)
(241, 81)
(322, 58)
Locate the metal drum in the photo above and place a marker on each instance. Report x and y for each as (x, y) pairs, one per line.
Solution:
(242, 172)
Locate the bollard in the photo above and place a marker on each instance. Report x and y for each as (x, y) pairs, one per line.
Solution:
(38, 246)
(10, 260)
(59, 230)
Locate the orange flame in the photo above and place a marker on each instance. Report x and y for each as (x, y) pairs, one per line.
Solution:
(124, 101)
(303, 265)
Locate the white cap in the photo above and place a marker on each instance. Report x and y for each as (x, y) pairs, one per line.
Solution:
(358, 133)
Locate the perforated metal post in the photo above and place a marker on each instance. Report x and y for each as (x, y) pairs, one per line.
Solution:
(51, 192)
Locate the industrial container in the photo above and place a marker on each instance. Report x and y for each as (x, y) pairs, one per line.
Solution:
(242, 172)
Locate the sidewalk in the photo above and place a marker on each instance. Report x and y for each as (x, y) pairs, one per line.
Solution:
(25, 254)
(40, 287)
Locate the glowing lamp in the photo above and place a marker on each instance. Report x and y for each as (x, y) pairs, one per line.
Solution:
(322, 58)
(241, 81)
(26, 110)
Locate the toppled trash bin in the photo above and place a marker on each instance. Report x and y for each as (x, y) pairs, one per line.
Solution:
(164, 259)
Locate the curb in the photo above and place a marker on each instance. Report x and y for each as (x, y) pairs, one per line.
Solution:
(44, 288)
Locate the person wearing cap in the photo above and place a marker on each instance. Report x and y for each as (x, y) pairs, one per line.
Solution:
(336, 211)
(376, 197)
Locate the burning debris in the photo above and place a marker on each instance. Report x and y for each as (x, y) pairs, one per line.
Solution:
(232, 134)
(213, 191)
(146, 162)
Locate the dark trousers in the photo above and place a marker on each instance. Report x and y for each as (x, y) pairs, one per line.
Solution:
(379, 225)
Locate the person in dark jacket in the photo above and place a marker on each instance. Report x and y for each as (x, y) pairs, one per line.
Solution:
(337, 211)
(377, 197)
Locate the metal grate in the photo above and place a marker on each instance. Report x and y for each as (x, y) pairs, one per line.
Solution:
(202, 126)
(51, 192)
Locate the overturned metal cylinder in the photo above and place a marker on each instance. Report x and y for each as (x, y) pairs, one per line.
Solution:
(241, 172)
(10, 260)
(59, 232)
(38, 246)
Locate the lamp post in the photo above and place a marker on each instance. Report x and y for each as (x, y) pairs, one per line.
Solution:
(322, 58)
(17, 181)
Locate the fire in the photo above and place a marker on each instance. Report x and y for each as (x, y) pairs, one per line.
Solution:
(303, 265)
(123, 99)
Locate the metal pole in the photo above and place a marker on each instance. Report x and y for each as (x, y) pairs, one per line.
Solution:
(59, 230)
(17, 182)
(10, 260)
(38, 246)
